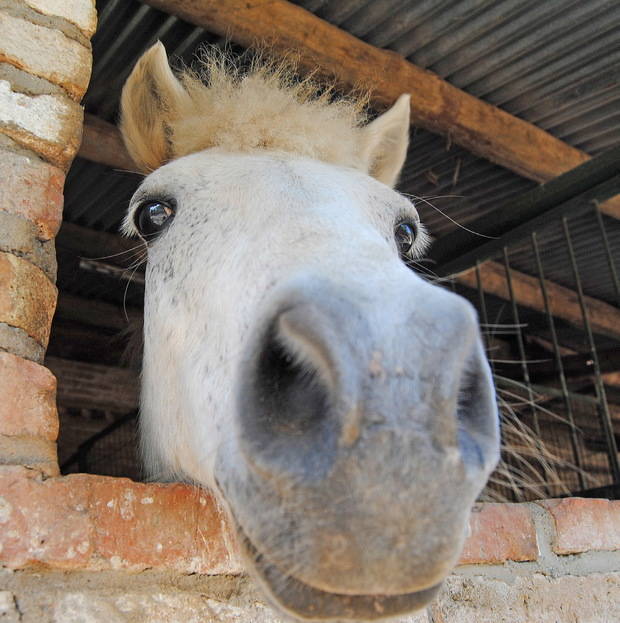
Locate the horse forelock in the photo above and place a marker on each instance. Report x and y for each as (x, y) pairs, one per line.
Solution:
(263, 105)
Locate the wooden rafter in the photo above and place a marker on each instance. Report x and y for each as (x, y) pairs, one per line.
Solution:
(563, 302)
(93, 386)
(98, 245)
(96, 313)
(102, 143)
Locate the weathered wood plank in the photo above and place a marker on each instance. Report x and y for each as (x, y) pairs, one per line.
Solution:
(94, 386)
(97, 313)
(99, 245)
(102, 143)
(564, 303)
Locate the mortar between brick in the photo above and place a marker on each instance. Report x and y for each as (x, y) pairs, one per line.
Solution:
(28, 298)
(16, 8)
(17, 342)
(29, 84)
(33, 192)
(11, 145)
(29, 452)
(548, 563)
(45, 52)
(19, 236)
(49, 124)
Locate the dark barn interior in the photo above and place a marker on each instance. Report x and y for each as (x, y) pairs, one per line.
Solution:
(540, 263)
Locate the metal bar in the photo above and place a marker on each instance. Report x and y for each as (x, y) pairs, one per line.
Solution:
(608, 253)
(545, 390)
(482, 306)
(521, 345)
(574, 366)
(596, 179)
(560, 366)
(603, 409)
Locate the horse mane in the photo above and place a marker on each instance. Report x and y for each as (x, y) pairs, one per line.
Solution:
(239, 106)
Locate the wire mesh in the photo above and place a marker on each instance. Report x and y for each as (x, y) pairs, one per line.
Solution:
(113, 451)
(557, 378)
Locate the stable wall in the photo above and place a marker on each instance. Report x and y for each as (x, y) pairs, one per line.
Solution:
(85, 548)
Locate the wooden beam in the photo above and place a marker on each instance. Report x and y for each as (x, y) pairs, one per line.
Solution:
(573, 366)
(77, 341)
(99, 245)
(96, 313)
(436, 105)
(102, 143)
(564, 303)
(93, 386)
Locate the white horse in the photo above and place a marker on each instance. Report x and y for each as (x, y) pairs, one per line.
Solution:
(339, 405)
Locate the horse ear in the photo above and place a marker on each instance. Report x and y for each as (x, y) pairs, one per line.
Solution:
(385, 141)
(151, 98)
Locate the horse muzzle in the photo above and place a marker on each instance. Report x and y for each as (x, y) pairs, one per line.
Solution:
(361, 446)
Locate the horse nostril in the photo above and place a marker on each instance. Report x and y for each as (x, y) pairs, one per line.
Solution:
(287, 413)
(476, 412)
(468, 395)
(292, 397)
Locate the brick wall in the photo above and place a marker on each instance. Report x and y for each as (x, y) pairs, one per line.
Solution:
(45, 64)
(84, 548)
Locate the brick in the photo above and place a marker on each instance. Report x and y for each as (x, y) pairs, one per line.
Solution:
(165, 605)
(169, 605)
(50, 125)
(8, 608)
(45, 52)
(33, 190)
(43, 521)
(20, 237)
(28, 405)
(34, 453)
(500, 532)
(535, 598)
(174, 526)
(583, 525)
(93, 523)
(18, 342)
(81, 13)
(27, 297)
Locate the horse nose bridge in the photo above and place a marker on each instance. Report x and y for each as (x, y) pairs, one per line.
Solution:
(390, 324)
(440, 318)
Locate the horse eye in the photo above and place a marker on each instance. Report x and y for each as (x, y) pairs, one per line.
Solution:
(152, 216)
(405, 234)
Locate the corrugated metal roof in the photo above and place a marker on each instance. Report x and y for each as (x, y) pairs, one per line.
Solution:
(555, 63)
